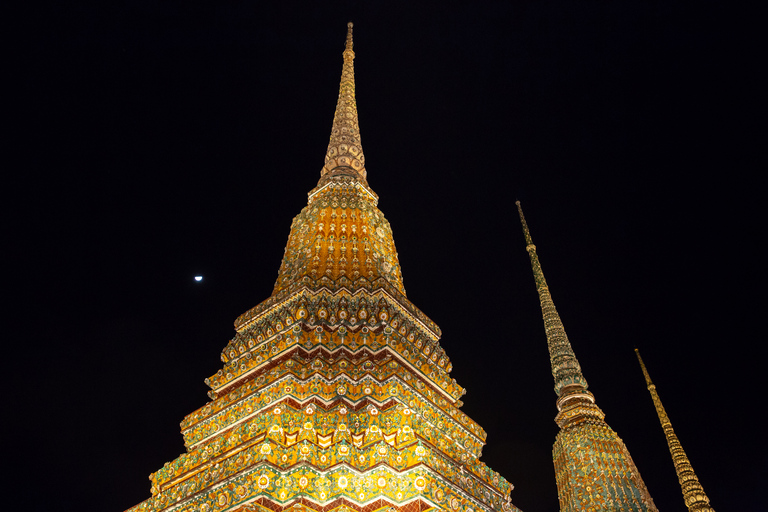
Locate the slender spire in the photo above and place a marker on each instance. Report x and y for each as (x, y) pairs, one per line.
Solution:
(593, 467)
(565, 367)
(693, 493)
(345, 152)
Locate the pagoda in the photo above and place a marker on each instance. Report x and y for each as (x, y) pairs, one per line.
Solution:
(593, 467)
(693, 493)
(335, 393)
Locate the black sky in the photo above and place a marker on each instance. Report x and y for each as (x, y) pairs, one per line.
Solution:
(157, 141)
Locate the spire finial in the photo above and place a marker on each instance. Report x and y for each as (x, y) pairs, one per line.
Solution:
(648, 381)
(526, 233)
(345, 151)
(693, 493)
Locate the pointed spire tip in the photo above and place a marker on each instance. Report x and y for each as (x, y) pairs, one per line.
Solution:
(345, 152)
(349, 35)
(526, 233)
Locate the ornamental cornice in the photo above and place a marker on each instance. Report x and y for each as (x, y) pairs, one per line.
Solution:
(326, 319)
(355, 383)
(355, 427)
(449, 435)
(343, 288)
(385, 341)
(319, 489)
(275, 368)
(287, 451)
(347, 184)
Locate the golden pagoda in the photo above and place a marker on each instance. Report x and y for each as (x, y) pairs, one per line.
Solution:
(593, 467)
(335, 393)
(693, 493)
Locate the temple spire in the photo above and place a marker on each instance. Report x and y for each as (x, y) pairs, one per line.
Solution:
(593, 467)
(565, 367)
(345, 151)
(693, 493)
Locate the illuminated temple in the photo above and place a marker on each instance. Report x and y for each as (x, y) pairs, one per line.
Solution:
(335, 393)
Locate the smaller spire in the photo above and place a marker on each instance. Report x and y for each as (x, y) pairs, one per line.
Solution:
(345, 151)
(590, 459)
(693, 493)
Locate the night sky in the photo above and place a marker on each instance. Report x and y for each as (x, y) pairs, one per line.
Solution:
(158, 142)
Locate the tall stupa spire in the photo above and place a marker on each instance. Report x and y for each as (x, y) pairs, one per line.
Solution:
(565, 367)
(335, 394)
(345, 151)
(593, 467)
(693, 493)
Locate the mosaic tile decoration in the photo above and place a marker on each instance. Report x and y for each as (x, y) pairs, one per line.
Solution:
(335, 393)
